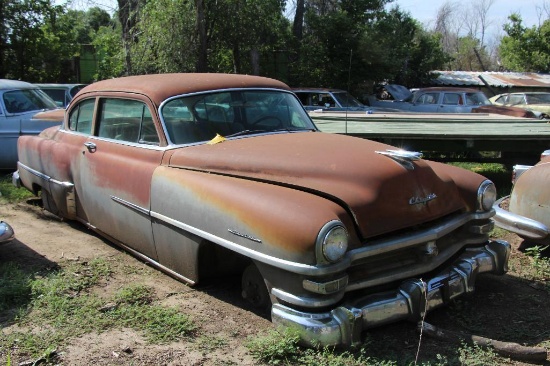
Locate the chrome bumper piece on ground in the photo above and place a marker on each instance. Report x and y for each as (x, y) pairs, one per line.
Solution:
(344, 324)
(6, 232)
(521, 225)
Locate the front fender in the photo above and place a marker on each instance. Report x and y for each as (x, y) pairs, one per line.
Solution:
(266, 222)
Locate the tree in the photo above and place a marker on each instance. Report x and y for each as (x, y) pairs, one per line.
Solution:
(395, 48)
(37, 44)
(525, 49)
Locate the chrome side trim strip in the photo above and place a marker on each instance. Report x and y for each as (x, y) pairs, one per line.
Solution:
(34, 172)
(140, 210)
(295, 267)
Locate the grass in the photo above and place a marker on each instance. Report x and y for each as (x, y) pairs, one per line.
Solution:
(54, 307)
(9, 193)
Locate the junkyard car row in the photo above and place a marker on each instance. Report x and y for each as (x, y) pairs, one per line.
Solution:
(206, 175)
(537, 102)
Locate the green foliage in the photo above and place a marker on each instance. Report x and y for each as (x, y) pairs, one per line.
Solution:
(525, 49)
(282, 348)
(540, 264)
(9, 193)
(62, 304)
(396, 49)
(478, 356)
(276, 348)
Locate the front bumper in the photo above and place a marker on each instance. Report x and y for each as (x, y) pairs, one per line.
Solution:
(6, 232)
(521, 225)
(343, 325)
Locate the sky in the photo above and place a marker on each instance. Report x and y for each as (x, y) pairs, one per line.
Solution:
(426, 11)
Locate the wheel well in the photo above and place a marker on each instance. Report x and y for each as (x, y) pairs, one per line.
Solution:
(217, 261)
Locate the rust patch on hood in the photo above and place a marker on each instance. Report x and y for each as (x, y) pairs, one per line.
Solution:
(380, 193)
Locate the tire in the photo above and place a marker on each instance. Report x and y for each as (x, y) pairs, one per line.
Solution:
(254, 289)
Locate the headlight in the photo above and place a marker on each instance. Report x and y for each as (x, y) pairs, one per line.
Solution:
(486, 196)
(332, 242)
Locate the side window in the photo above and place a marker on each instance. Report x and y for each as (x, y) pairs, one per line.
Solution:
(428, 98)
(452, 98)
(516, 99)
(80, 119)
(326, 99)
(126, 120)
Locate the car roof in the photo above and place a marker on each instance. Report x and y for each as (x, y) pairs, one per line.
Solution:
(443, 89)
(57, 86)
(159, 87)
(318, 90)
(6, 84)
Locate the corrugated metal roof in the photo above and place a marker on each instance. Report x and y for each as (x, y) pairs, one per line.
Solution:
(494, 79)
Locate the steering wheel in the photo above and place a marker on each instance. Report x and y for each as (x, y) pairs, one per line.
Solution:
(264, 118)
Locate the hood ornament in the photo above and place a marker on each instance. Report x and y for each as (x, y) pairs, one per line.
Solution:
(403, 157)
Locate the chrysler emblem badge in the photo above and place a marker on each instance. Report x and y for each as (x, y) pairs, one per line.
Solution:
(422, 200)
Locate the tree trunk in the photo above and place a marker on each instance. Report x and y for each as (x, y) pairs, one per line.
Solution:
(298, 24)
(202, 59)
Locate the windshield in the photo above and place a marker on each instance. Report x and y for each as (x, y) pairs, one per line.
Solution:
(204, 116)
(346, 100)
(27, 100)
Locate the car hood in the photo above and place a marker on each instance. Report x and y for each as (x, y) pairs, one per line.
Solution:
(398, 92)
(52, 115)
(381, 194)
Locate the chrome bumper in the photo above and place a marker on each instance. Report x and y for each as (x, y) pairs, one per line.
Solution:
(343, 325)
(521, 225)
(6, 232)
(16, 180)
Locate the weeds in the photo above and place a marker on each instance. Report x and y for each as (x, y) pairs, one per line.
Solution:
(15, 286)
(60, 305)
(9, 193)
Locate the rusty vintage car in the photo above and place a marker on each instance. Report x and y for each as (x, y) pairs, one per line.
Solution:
(526, 210)
(207, 175)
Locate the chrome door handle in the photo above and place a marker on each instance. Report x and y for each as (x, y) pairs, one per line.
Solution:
(90, 146)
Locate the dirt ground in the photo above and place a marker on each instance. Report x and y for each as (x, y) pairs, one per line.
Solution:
(505, 308)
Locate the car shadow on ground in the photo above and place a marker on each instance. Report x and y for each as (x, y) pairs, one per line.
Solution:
(26, 260)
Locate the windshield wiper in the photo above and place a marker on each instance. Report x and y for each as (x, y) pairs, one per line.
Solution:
(252, 132)
(246, 132)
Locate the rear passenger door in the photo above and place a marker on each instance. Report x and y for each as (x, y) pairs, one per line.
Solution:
(426, 102)
(115, 169)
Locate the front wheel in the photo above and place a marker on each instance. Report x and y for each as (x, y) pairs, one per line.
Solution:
(254, 289)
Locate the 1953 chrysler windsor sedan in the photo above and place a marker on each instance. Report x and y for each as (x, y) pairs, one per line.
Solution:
(209, 174)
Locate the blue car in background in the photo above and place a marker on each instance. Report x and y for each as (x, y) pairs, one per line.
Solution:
(62, 94)
(19, 103)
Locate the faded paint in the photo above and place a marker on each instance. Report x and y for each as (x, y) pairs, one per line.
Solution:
(530, 196)
(375, 188)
